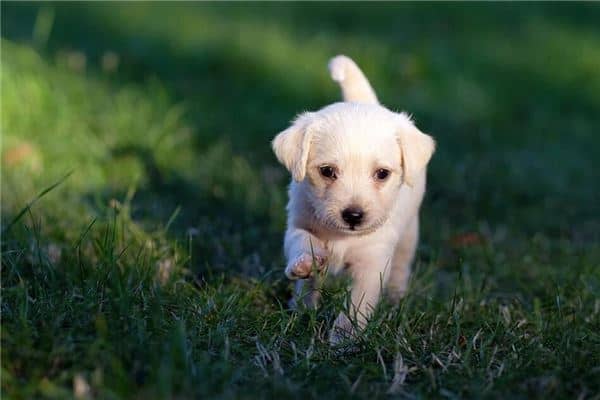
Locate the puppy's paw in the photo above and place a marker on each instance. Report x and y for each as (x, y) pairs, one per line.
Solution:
(302, 266)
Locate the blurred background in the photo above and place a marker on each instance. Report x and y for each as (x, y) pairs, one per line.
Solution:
(178, 102)
(165, 112)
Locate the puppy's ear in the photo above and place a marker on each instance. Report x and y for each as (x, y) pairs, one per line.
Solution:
(416, 147)
(292, 145)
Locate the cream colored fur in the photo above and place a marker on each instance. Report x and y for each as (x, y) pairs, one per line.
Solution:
(357, 138)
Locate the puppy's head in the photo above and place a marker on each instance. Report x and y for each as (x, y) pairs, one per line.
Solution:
(351, 160)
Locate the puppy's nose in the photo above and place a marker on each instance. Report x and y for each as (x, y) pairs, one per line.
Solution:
(353, 215)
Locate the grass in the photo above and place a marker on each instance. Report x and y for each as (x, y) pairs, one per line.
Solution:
(155, 269)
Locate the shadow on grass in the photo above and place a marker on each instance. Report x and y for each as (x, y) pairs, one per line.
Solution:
(228, 228)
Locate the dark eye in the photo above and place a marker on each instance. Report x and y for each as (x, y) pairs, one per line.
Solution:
(328, 171)
(382, 174)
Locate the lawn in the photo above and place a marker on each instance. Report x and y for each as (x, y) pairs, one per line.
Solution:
(143, 211)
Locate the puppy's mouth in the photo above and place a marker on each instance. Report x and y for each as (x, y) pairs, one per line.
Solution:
(361, 229)
(358, 230)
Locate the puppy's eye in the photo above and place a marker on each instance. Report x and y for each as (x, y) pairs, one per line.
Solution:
(327, 171)
(382, 174)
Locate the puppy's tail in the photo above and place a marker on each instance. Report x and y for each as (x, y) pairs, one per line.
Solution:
(354, 84)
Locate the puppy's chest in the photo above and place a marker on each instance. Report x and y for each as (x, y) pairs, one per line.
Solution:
(335, 258)
(337, 255)
(350, 252)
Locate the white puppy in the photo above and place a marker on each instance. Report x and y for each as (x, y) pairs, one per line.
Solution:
(358, 181)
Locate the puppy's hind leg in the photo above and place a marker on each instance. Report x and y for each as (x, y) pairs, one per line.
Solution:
(401, 263)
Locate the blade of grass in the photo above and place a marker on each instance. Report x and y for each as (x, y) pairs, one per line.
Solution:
(35, 200)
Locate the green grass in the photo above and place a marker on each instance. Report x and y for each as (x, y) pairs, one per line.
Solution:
(155, 269)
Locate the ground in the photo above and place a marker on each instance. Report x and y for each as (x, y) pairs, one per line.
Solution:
(143, 210)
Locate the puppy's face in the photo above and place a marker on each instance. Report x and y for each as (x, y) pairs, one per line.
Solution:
(351, 160)
(353, 173)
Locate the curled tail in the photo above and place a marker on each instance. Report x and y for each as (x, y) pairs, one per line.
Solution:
(354, 84)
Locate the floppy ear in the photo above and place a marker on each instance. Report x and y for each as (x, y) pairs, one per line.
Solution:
(416, 147)
(292, 145)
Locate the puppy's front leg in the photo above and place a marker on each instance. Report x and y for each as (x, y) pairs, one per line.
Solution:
(369, 276)
(303, 250)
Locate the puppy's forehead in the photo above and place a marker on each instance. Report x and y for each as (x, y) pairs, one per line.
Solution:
(353, 131)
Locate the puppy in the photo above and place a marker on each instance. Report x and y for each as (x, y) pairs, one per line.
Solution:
(359, 174)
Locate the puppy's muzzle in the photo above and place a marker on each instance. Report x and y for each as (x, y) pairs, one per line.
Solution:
(353, 216)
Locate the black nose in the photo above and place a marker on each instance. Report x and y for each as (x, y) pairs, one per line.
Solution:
(353, 215)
